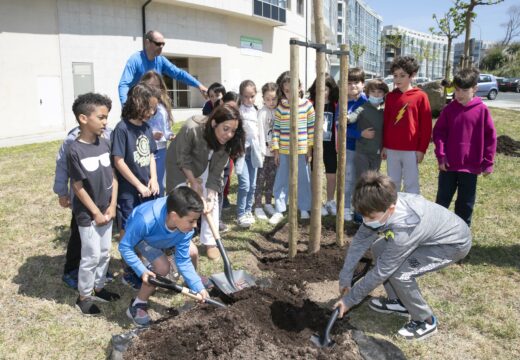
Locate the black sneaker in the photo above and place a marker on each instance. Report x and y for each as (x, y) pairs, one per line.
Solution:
(418, 330)
(109, 277)
(105, 296)
(388, 306)
(87, 307)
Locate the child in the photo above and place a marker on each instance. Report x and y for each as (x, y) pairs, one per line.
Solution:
(246, 166)
(409, 236)
(369, 120)
(407, 126)
(133, 148)
(94, 204)
(280, 148)
(330, 156)
(161, 124)
(265, 176)
(157, 226)
(465, 145)
(61, 188)
(356, 98)
(215, 92)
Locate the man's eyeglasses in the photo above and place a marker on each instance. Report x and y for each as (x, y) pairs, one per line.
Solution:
(158, 43)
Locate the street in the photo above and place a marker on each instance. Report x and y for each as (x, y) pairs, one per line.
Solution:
(505, 100)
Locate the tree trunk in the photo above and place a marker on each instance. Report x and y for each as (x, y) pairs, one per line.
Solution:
(448, 69)
(465, 60)
(319, 105)
(293, 153)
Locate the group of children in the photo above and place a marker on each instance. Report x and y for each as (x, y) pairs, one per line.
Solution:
(126, 175)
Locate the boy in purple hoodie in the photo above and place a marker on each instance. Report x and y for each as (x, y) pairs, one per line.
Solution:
(465, 145)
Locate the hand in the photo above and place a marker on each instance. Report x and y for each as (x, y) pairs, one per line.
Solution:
(204, 91)
(153, 185)
(384, 155)
(64, 201)
(157, 135)
(197, 186)
(443, 167)
(209, 203)
(486, 173)
(204, 295)
(146, 275)
(100, 219)
(308, 156)
(368, 133)
(144, 191)
(110, 213)
(342, 308)
(276, 156)
(420, 156)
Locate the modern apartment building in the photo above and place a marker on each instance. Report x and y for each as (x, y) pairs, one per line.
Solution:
(54, 50)
(477, 51)
(430, 50)
(361, 27)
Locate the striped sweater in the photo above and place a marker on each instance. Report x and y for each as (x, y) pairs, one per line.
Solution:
(282, 126)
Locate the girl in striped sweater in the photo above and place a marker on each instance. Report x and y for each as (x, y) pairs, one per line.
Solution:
(280, 148)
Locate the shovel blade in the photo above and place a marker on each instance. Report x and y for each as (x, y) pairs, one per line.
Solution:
(321, 343)
(242, 280)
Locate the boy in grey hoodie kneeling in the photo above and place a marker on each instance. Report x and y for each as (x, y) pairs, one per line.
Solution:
(409, 236)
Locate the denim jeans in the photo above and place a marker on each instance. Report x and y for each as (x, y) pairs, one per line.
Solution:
(281, 184)
(160, 165)
(246, 186)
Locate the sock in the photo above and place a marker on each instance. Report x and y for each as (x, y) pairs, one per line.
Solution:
(138, 301)
(429, 320)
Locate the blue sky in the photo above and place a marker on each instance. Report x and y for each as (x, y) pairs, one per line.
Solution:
(417, 15)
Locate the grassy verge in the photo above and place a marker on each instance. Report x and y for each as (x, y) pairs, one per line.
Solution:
(477, 304)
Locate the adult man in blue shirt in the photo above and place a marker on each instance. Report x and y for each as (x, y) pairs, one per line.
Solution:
(151, 59)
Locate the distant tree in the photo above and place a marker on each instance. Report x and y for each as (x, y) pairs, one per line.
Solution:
(494, 59)
(467, 9)
(512, 25)
(357, 51)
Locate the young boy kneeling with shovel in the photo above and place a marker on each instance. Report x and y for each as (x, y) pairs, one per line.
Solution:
(409, 236)
(156, 226)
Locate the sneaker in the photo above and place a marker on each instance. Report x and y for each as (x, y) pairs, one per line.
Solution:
(222, 227)
(387, 306)
(304, 215)
(331, 207)
(87, 307)
(109, 277)
(324, 211)
(276, 218)
(347, 216)
(269, 209)
(418, 330)
(260, 213)
(138, 313)
(131, 279)
(251, 217)
(244, 221)
(70, 280)
(105, 296)
(225, 203)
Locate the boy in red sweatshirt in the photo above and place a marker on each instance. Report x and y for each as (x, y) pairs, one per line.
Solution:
(407, 126)
(465, 145)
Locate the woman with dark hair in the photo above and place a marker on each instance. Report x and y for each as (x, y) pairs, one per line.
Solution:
(197, 157)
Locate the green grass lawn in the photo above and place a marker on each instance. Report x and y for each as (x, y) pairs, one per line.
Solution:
(477, 304)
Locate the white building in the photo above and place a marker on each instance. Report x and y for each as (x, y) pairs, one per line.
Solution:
(53, 50)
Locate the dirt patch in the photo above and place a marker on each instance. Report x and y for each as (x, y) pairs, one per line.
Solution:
(271, 322)
(508, 146)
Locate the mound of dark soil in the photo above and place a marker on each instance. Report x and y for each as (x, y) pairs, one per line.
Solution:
(508, 146)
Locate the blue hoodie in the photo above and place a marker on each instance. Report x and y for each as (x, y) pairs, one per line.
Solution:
(352, 131)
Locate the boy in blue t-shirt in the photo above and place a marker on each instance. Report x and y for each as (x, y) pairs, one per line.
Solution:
(156, 226)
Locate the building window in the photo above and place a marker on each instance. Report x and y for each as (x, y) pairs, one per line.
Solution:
(178, 92)
(82, 78)
(300, 6)
(271, 9)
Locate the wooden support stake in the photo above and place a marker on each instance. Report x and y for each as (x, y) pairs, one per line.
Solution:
(293, 152)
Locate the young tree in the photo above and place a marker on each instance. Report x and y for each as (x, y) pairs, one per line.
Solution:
(357, 51)
(512, 25)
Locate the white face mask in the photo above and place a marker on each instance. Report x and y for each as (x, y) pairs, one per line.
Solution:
(375, 100)
(376, 224)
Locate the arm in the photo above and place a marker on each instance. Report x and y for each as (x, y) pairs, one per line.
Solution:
(217, 164)
(127, 79)
(61, 177)
(124, 170)
(490, 144)
(440, 136)
(425, 125)
(353, 116)
(84, 197)
(185, 266)
(178, 74)
(275, 139)
(134, 232)
(261, 118)
(311, 116)
(353, 132)
(153, 185)
(110, 213)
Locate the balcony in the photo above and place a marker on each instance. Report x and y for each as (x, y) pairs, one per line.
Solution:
(273, 10)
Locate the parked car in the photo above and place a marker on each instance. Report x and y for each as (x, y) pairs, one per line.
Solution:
(500, 82)
(510, 84)
(389, 80)
(487, 86)
(420, 80)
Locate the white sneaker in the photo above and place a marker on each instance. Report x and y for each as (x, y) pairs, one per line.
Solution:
(260, 214)
(244, 221)
(347, 216)
(331, 207)
(276, 218)
(251, 217)
(324, 211)
(304, 215)
(269, 209)
(418, 330)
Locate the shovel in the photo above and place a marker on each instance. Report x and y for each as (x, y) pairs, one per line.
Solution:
(168, 284)
(230, 281)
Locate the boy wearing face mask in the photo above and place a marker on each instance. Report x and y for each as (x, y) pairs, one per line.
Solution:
(369, 118)
(409, 236)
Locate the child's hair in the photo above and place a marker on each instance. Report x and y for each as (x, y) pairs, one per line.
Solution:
(184, 200)
(138, 101)
(217, 88)
(244, 84)
(227, 111)
(466, 78)
(285, 78)
(270, 86)
(374, 192)
(376, 84)
(230, 96)
(333, 89)
(86, 103)
(356, 74)
(445, 83)
(165, 99)
(408, 63)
